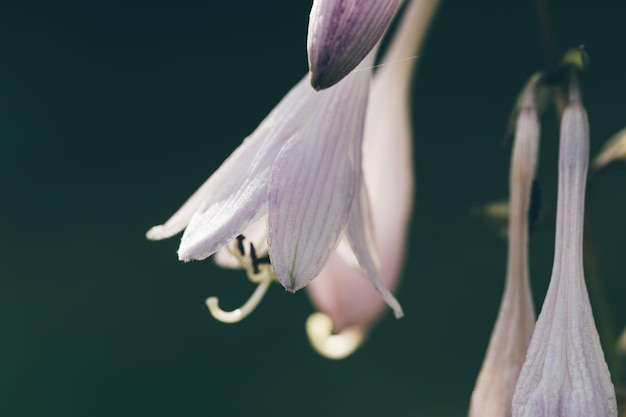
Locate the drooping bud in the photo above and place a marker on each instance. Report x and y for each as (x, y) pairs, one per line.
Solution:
(565, 373)
(341, 33)
(516, 319)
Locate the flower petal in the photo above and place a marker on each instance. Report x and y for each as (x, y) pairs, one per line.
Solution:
(341, 290)
(276, 128)
(255, 234)
(314, 183)
(222, 180)
(235, 196)
(214, 226)
(613, 150)
(565, 374)
(341, 33)
(362, 247)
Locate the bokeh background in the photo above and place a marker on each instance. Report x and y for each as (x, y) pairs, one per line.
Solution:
(112, 113)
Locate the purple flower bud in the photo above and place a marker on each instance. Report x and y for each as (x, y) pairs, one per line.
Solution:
(341, 34)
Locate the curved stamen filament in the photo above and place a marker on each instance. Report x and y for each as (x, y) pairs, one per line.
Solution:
(319, 329)
(256, 268)
(242, 312)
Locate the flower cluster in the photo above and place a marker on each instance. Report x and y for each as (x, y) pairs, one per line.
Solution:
(320, 196)
(554, 367)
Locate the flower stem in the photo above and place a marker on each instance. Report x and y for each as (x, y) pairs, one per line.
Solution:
(547, 35)
(551, 50)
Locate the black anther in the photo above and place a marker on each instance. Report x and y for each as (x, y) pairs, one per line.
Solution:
(258, 261)
(264, 260)
(240, 248)
(255, 260)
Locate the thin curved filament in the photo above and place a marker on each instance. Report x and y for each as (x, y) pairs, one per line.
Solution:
(244, 311)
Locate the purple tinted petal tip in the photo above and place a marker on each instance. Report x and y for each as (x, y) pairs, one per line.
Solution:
(341, 34)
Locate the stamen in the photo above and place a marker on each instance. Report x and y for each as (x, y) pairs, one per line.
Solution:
(242, 312)
(255, 260)
(264, 260)
(256, 268)
(319, 329)
(240, 248)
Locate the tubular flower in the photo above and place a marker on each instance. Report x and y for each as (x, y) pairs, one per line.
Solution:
(565, 374)
(516, 319)
(348, 304)
(341, 33)
(297, 178)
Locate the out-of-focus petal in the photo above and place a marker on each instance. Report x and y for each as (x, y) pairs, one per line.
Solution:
(314, 183)
(387, 147)
(516, 318)
(343, 292)
(621, 343)
(341, 33)
(613, 150)
(565, 374)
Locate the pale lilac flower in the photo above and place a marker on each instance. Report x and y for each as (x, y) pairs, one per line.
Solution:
(300, 170)
(565, 373)
(341, 33)
(516, 318)
(349, 304)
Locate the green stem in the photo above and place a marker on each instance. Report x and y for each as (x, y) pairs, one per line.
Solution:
(547, 35)
(551, 51)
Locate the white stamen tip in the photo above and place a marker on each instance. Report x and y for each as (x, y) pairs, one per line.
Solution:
(319, 329)
(242, 312)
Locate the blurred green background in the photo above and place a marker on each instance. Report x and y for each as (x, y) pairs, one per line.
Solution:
(112, 113)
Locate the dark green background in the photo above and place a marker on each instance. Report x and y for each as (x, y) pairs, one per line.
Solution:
(112, 113)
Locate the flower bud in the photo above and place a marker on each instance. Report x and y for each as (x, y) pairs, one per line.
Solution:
(341, 33)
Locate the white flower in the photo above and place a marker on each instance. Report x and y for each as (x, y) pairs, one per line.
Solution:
(565, 374)
(300, 169)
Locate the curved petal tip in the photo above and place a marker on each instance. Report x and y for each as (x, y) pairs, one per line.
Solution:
(157, 233)
(341, 33)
